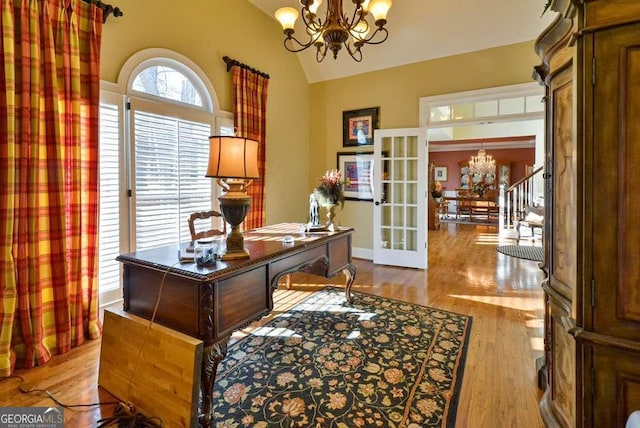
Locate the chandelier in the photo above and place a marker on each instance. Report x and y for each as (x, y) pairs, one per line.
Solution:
(332, 32)
(482, 164)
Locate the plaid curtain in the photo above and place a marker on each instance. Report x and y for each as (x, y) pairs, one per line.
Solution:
(48, 179)
(250, 117)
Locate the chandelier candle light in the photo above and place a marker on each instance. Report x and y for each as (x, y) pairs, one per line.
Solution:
(332, 32)
(482, 164)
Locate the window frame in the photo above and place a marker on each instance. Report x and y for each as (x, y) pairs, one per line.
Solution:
(128, 100)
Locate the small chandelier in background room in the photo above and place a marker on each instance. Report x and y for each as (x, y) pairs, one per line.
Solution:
(332, 32)
(482, 164)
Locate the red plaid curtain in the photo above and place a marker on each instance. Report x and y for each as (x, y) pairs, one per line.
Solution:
(250, 117)
(49, 179)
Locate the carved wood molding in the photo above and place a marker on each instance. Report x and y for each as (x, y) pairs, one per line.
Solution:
(556, 36)
(583, 336)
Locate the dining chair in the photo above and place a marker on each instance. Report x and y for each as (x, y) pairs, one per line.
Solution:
(210, 230)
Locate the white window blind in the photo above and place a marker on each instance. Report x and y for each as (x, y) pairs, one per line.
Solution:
(109, 230)
(171, 158)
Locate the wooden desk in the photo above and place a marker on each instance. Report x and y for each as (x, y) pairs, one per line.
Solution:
(210, 303)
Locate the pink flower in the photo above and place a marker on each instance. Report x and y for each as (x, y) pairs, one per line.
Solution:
(330, 191)
(234, 393)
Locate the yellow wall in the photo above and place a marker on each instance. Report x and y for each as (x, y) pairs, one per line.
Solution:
(299, 150)
(397, 91)
(205, 31)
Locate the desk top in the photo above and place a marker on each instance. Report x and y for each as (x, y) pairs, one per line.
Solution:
(262, 243)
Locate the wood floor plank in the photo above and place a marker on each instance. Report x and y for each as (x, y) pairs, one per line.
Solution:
(466, 274)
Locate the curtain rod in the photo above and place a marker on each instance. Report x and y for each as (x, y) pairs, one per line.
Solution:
(231, 62)
(107, 9)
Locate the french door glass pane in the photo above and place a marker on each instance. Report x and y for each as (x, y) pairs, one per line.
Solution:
(399, 212)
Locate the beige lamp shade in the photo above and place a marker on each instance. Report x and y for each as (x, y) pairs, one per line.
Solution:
(379, 9)
(232, 157)
(315, 6)
(287, 17)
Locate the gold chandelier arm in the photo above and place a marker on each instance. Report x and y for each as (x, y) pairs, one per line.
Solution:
(369, 39)
(302, 46)
(358, 15)
(321, 52)
(311, 21)
(356, 53)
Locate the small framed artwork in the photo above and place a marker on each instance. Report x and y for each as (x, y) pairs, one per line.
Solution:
(357, 172)
(440, 173)
(358, 126)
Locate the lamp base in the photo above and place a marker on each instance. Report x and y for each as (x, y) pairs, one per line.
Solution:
(235, 246)
(236, 255)
(234, 206)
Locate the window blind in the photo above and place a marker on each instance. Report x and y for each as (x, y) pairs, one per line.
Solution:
(109, 220)
(171, 158)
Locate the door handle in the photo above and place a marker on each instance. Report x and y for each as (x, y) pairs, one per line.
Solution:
(377, 203)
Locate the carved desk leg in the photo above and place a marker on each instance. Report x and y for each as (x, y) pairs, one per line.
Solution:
(350, 274)
(212, 355)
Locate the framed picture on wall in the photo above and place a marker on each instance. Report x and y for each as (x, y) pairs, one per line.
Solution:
(357, 172)
(440, 173)
(358, 126)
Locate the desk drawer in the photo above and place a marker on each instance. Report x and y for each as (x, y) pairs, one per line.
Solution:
(298, 260)
(241, 300)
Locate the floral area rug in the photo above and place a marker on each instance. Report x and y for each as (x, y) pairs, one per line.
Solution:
(324, 363)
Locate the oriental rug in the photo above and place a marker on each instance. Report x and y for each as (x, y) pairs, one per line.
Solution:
(522, 252)
(325, 363)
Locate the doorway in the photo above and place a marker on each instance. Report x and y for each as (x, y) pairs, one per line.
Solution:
(500, 119)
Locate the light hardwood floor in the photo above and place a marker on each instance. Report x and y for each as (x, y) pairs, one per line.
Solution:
(466, 274)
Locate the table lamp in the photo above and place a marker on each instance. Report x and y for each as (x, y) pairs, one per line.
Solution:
(234, 162)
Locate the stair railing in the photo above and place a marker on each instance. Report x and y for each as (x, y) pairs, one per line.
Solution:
(515, 199)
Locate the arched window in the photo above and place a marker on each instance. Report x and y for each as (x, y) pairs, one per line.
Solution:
(164, 78)
(155, 128)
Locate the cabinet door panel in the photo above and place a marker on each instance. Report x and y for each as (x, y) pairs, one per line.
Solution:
(563, 227)
(616, 180)
(616, 388)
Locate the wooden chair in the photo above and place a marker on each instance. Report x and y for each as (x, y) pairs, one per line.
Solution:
(463, 206)
(210, 231)
(493, 207)
(533, 219)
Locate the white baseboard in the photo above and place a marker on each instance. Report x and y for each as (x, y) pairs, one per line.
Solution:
(362, 253)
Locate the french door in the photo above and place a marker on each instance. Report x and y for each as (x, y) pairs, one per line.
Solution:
(400, 184)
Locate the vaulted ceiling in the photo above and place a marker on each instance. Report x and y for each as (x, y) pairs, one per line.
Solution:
(420, 30)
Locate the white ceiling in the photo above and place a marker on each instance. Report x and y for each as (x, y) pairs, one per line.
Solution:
(425, 29)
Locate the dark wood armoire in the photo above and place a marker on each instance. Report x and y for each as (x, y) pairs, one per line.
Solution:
(591, 68)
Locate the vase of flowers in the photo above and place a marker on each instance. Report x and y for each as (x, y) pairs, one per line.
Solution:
(480, 188)
(330, 193)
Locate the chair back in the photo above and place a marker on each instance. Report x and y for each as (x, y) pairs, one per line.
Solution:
(492, 194)
(209, 230)
(463, 193)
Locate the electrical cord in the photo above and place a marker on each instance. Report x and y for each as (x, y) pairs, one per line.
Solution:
(126, 416)
(51, 396)
(125, 413)
(146, 334)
